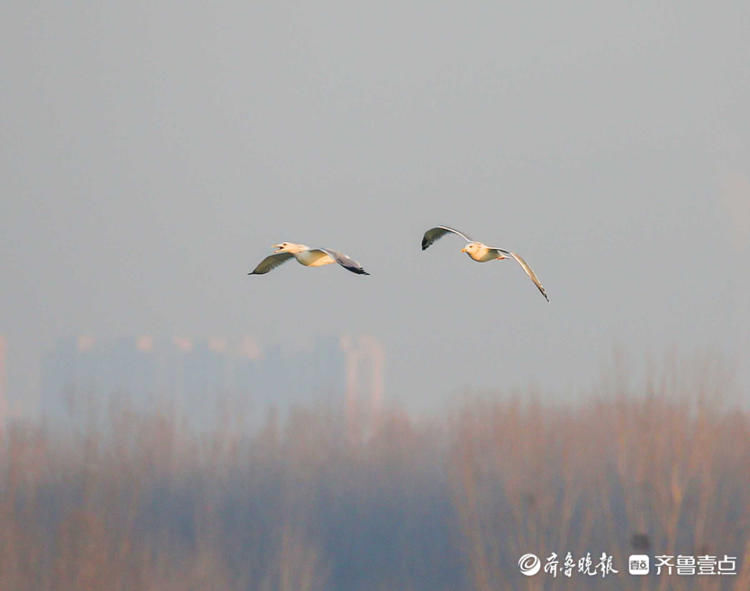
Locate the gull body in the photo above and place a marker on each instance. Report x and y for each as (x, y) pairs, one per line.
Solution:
(305, 255)
(309, 257)
(481, 253)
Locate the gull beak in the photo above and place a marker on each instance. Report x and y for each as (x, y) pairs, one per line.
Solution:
(277, 247)
(463, 249)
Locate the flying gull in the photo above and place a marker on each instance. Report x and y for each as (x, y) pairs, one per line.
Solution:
(310, 257)
(481, 252)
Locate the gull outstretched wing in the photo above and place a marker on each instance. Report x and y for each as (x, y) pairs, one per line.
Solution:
(271, 262)
(529, 272)
(438, 232)
(347, 262)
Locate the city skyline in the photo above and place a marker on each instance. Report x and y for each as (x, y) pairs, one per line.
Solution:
(197, 374)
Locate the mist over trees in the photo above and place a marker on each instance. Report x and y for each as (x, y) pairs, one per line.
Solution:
(134, 500)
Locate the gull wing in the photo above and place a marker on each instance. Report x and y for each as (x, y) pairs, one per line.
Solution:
(438, 232)
(347, 262)
(529, 272)
(271, 262)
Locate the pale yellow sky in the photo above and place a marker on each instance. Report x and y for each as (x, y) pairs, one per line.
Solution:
(153, 151)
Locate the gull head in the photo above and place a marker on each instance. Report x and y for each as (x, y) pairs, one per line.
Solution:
(471, 248)
(289, 247)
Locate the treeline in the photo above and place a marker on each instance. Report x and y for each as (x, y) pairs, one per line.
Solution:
(313, 502)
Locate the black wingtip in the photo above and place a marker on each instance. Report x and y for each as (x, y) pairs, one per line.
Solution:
(357, 270)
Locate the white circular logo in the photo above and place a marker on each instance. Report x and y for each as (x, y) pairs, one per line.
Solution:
(529, 564)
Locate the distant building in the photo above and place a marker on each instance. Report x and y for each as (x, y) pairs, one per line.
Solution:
(365, 361)
(3, 383)
(198, 377)
(82, 373)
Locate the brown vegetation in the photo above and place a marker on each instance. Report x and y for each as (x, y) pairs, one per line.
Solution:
(144, 502)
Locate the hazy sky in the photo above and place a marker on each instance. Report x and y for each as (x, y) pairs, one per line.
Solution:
(152, 151)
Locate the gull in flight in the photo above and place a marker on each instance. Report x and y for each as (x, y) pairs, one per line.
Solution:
(481, 252)
(310, 257)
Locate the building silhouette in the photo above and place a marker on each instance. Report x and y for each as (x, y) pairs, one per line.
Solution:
(199, 377)
(3, 383)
